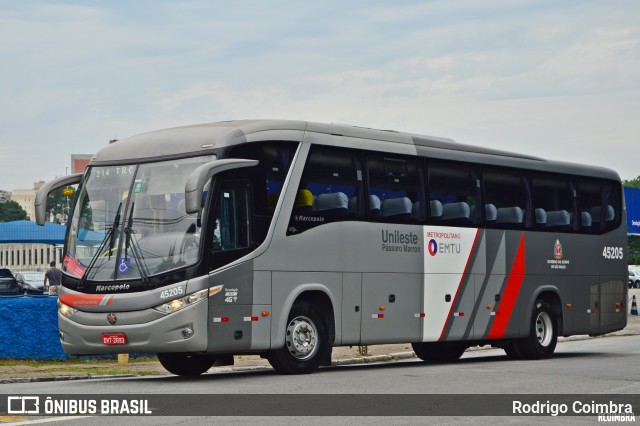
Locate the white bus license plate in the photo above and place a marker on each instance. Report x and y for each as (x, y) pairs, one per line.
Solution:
(114, 339)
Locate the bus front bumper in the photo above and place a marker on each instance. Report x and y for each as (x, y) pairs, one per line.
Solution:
(182, 331)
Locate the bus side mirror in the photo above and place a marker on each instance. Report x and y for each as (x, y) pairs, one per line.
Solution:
(40, 203)
(197, 179)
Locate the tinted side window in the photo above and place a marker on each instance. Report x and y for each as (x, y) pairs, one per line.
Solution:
(395, 191)
(505, 196)
(553, 203)
(232, 221)
(600, 205)
(330, 189)
(454, 192)
(232, 217)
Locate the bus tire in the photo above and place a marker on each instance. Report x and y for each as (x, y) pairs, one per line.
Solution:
(543, 333)
(439, 351)
(512, 349)
(306, 341)
(186, 364)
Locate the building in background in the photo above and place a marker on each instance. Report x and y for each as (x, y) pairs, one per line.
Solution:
(26, 197)
(25, 246)
(79, 162)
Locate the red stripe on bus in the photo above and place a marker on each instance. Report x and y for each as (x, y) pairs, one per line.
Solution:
(83, 299)
(511, 291)
(466, 267)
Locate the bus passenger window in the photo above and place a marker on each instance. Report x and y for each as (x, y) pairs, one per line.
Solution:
(599, 202)
(329, 191)
(506, 190)
(395, 189)
(553, 202)
(454, 191)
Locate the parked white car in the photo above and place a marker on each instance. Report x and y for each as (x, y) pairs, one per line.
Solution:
(634, 279)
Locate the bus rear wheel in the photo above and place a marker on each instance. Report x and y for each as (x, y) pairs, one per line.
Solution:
(439, 351)
(543, 333)
(306, 341)
(186, 364)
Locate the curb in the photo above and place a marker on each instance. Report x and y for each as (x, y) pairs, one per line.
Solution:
(64, 378)
(373, 359)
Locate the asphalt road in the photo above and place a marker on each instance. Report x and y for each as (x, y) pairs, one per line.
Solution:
(596, 366)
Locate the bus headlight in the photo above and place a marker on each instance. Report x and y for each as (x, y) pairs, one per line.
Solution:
(179, 304)
(65, 310)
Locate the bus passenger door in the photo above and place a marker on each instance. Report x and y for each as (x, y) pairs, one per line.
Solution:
(351, 308)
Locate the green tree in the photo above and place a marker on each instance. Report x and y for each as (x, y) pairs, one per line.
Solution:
(58, 203)
(631, 183)
(11, 211)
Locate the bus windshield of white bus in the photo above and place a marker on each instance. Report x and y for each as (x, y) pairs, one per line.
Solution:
(130, 222)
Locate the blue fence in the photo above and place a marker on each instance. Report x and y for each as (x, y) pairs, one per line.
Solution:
(29, 328)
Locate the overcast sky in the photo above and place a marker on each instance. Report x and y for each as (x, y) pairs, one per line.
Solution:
(556, 79)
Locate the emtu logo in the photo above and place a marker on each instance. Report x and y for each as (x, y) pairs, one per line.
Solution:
(432, 247)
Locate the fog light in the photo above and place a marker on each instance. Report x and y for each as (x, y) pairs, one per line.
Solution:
(187, 332)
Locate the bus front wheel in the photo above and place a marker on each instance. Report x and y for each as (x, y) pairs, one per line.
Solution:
(439, 351)
(186, 364)
(306, 342)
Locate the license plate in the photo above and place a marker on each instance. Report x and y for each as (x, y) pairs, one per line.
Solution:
(114, 339)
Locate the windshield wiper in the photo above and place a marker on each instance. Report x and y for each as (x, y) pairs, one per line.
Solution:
(135, 249)
(107, 236)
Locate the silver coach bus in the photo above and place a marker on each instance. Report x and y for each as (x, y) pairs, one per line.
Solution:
(286, 238)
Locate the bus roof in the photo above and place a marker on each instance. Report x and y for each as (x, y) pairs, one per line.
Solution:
(207, 138)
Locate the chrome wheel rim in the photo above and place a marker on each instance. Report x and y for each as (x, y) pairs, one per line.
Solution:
(302, 338)
(544, 329)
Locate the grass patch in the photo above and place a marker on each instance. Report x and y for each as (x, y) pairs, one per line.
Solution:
(79, 362)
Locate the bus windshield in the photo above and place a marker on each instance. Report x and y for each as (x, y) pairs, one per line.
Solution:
(130, 222)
